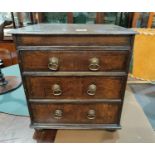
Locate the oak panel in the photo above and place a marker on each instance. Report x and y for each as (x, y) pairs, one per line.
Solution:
(105, 113)
(75, 87)
(75, 60)
(78, 40)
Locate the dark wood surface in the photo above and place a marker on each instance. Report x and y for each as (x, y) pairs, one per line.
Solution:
(74, 61)
(74, 48)
(69, 17)
(8, 53)
(5, 56)
(99, 18)
(45, 135)
(73, 40)
(106, 113)
(79, 74)
(71, 44)
(65, 126)
(75, 87)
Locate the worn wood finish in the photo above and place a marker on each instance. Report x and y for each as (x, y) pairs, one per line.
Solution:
(10, 57)
(44, 136)
(5, 56)
(150, 20)
(74, 48)
(69, 17)
(73, 101)
(79, 74)
(99, 18)
(75, 87)
(106, 113)
(75, 61)
(74, 107)
(43, 40)
(74, 126)
(70, 29)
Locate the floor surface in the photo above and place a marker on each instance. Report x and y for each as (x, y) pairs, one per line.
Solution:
(145, 96)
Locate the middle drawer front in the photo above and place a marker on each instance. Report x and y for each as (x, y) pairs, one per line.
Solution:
(75, 60)
(75, 87)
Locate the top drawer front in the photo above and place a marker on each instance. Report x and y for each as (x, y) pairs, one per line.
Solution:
(42, 40)
(74, 60)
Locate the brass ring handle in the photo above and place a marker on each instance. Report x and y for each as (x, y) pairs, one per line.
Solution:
(91, 114)
(94, 64)
(91, 90)
(56, 90)
(58, 114)
(53, 63)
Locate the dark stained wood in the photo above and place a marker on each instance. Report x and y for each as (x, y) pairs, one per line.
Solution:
(8, 53)
(136, 16)
(99, 17)
(150, 20)
(75, 87)
(73, 40)
(105, 113)
(69, 17)
(75, 61)
(8, 44)
(79, 74)
(74, 126)
(5, 56)
(44, 136)
(55, 101)
(74, 45)
(74, 48)
(24, 83)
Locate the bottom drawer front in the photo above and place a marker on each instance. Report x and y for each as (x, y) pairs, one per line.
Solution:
(100, 113)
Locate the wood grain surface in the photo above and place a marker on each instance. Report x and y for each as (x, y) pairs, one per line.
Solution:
(75, 87)
(73, 78)
(74, 60)
(30, 40)
(106, 113)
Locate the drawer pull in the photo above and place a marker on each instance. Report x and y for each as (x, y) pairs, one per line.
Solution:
(58, 114)
(53, 63)
(56, 90)
(94, 64)
(91, 114)
(91, 90)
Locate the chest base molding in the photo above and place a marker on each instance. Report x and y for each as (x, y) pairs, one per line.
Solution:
(74, 126)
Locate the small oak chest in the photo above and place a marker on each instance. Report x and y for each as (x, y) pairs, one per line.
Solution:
(74, 75)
